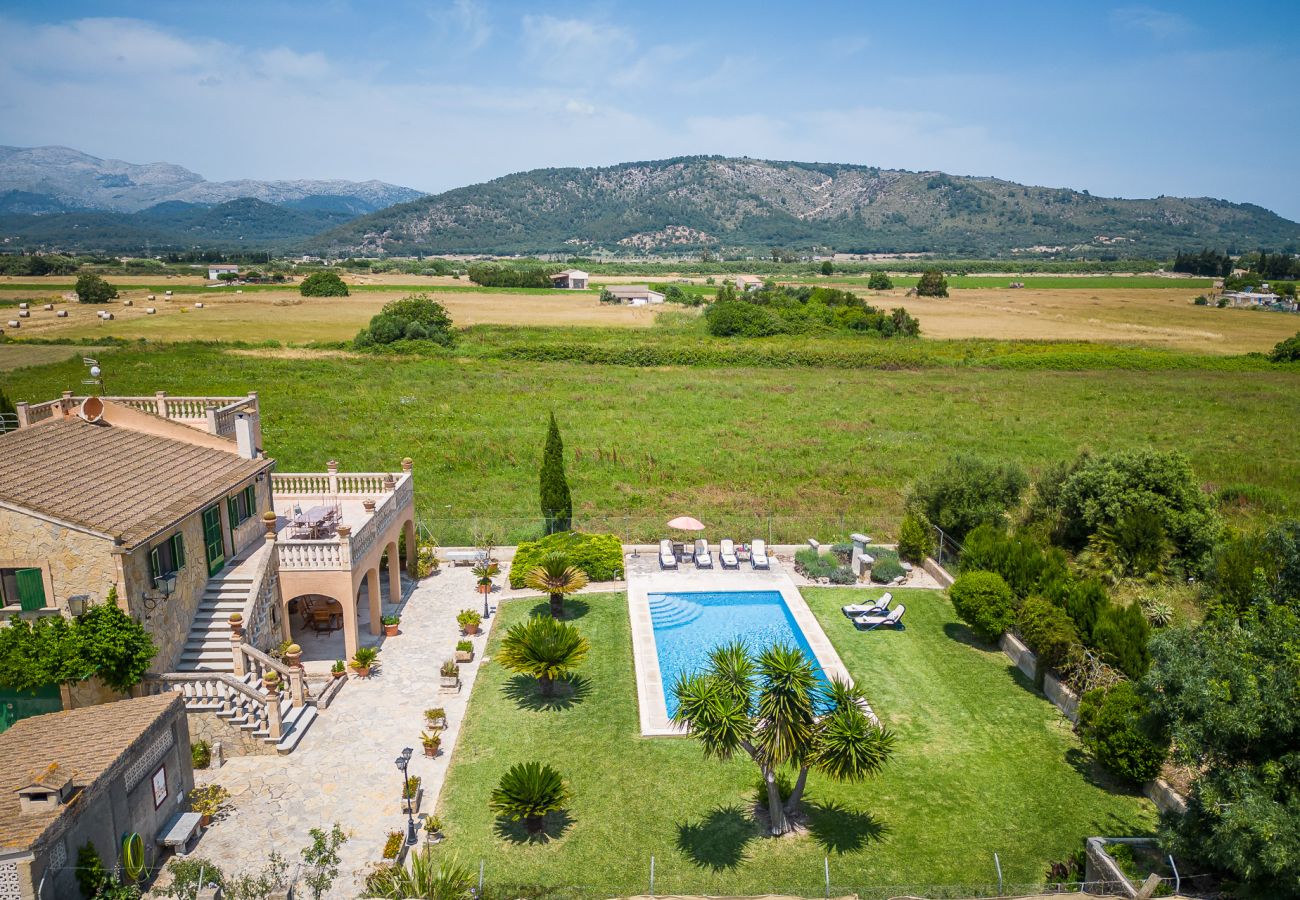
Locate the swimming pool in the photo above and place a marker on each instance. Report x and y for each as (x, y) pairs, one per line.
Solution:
(688, 625)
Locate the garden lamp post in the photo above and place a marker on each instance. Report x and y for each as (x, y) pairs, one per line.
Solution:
(403, 761)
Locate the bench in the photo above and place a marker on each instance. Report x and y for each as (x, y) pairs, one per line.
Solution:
(464, 557)
(179, 831)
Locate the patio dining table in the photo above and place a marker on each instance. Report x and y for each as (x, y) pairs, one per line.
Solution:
(315, 518)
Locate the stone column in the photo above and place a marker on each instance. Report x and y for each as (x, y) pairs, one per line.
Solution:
(332, 473)
(21, 408)
(376, 602)
(297, 694)
(160, 397)
(394, 575)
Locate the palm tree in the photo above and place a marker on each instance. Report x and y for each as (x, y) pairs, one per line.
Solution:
(543, 648)
(426, 878)
(528, 791)
(776, 710)
(556, 576)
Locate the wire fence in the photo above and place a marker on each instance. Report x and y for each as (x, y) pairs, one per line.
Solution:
(947, 551)
(646, 528)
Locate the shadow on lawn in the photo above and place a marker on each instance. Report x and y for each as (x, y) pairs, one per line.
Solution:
(963, 635)
(718, 840)
(574, 608)
(526, 693)
(839, 829)
(553, 828)
(1092, 772)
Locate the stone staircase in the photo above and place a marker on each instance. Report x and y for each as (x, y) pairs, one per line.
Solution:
(242, 702)
(207, 648)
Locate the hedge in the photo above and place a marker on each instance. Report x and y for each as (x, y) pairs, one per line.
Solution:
(599, 555)
(984, 602)
(1118, 729)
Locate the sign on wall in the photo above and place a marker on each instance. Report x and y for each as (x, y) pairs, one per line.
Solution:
(160, 786)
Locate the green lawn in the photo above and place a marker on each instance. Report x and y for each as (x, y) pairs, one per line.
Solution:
(983, 765)
(1040, 282)
(823, 451)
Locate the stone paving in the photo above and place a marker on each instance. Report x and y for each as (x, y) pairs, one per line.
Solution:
(344, 769)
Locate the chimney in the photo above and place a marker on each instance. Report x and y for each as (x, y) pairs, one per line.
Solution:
(244, 437)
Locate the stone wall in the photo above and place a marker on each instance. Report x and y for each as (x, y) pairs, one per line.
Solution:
(939, 573)
(168, 621)
(75, 563)
(208, 726)
(1066, 700)
(1019, 654)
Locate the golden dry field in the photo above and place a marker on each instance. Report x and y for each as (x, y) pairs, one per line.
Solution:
(1155, 317)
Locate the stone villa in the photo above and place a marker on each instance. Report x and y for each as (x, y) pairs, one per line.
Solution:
(172, 502)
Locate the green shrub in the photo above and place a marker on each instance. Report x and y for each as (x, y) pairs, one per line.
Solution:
(323, 284)
(879, 281)
(843, 552)
(1287, 351)
(93, 289)
(494, 275)
(1021, 562)
(1096, 493)
(415, 317)
(740, 318)
(984, 602)
(191, 873)
(1084, 602)
(932, 284)
(1118, 729)
(1121, 636)
(599, 555)
(884, 571)
(90, 871)
(201, 754)
(843, 575)
(1047, 630)
(915, 539)
(968, 491)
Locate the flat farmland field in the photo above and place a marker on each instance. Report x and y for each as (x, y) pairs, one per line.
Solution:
(283, 315)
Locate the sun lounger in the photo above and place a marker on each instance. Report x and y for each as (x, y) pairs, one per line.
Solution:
(871, 623)
(758, 555)
(703, 558)
(667, 559)
(878, 606)
(727, 555)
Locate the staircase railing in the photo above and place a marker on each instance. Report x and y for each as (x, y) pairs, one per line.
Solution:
(229, 695)
(250, 659)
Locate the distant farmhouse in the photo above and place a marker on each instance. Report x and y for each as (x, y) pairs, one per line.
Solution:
(635, 294)
(570, 279)
(1260, 299)
(216, 270)
(748, 282)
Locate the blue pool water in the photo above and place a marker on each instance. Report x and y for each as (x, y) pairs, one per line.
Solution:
(688, 625)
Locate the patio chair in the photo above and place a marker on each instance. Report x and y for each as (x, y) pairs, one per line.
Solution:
(893, 620)
(758, 555)
(703, 558)
(727, 555)
(879, 606)
(667, 559)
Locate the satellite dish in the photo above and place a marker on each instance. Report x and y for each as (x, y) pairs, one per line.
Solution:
(92, 409)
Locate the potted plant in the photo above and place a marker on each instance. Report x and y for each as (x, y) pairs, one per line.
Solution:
(411, 795)
(464, 651)
(395, 848)
(339, 669)
(271, 682)
(433, 830)
(436, 717)
(207, 800)
(293, 656)
(363, 660)
(236, 624)
(468, 620)
(485, 572)
(201, 754)
(390, 624)
(450, 674)
(431, 740)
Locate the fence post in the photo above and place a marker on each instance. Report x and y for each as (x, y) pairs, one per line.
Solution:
(998, 864)
(480, 878)
(652, 875)
(826, 862)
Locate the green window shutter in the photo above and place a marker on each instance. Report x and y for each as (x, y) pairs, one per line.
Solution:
(178, 550)
(251, 493)
(155, 567)
(31, 589)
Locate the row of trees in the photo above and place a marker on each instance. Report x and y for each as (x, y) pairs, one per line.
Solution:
(780, 309)
(416, 317)
(1208, 263)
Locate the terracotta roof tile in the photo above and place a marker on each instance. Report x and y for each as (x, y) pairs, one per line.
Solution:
(84, 743)
(123, 483)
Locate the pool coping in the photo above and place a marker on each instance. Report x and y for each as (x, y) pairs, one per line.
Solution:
(651, 705)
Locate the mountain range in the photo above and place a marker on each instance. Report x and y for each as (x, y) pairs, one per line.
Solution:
(710, 202)
(56, 198)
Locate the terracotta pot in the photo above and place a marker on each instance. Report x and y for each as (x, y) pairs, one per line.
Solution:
(271, 685)
(362, 672)
(390, 631)
(430, 750)
(471, 628)
(338, 674)
(485, 588)
(205, 820)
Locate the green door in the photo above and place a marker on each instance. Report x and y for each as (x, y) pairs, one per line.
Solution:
(31, 589)
(212, 539)
(15, 705)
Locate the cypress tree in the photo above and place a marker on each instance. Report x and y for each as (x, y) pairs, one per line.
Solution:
(557, 505)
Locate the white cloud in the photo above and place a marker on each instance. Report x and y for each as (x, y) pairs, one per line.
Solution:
(574, 50)
(471, 21)
(1156, 23)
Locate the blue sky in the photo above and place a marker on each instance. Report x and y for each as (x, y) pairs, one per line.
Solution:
(1123, 99)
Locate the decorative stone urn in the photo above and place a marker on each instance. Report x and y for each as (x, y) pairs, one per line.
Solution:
(269, 520)
(293, 656)
(236, 624)
(369, 506)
